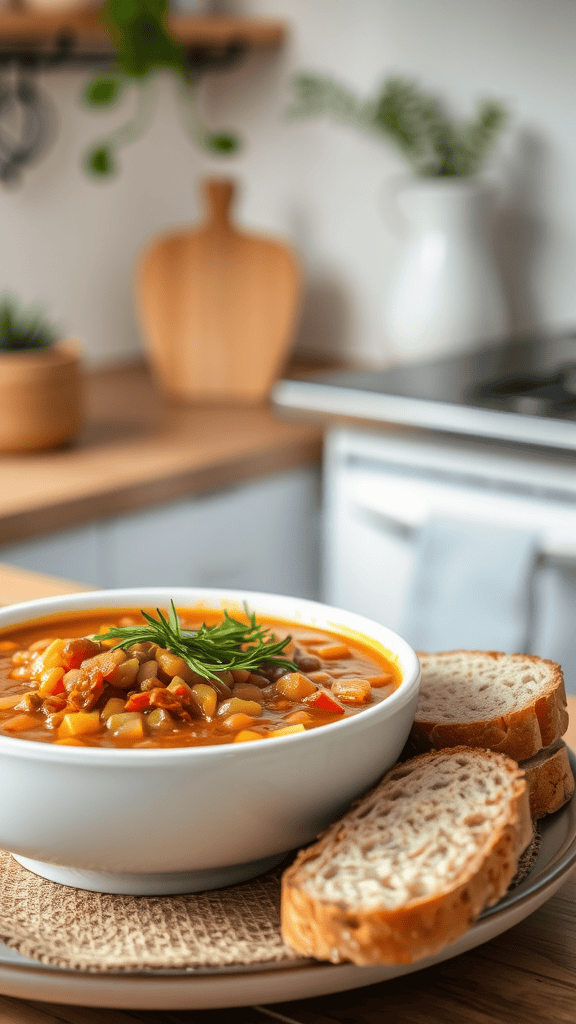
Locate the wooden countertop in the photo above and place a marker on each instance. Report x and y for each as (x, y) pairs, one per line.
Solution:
(136, 450)
(527, 975)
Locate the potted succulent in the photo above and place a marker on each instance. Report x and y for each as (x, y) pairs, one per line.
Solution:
(143, 44)
(40, 402)
(443, 294)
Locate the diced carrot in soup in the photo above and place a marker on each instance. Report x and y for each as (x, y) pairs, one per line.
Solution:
(332, 652)
(385, 679)
(288, 730)
(79, 723)
(20, 723)
(246, 735)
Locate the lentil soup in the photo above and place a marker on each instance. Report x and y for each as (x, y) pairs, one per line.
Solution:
(60, 683)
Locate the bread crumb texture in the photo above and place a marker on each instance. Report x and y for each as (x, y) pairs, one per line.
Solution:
(413, 864)
(415, 839)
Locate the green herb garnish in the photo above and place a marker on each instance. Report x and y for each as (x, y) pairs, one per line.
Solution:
(210, 649)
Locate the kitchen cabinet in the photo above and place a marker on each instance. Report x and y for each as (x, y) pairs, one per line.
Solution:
(74, 554)
(260, 535)
(263, 535)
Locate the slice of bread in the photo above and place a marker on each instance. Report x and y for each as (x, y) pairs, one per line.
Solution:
(549, 779)
(511, 703)
(411, 866)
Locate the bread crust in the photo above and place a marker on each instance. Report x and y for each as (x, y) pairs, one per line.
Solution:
(550, 782)
(418, 929)
(520, 733)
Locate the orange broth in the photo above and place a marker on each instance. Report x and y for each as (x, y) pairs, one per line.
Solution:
(56, 687)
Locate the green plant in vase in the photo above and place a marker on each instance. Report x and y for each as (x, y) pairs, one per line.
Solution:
(143, 45)
(415, 122)
(442, 295)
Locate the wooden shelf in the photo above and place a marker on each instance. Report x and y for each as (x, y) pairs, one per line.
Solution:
(27, 31)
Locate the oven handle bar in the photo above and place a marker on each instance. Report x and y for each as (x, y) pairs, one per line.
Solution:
(550, 550)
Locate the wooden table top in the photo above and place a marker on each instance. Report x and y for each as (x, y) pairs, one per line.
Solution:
(527, 975)
(138, 450)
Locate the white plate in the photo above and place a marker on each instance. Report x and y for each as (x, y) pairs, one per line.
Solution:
(207, 989)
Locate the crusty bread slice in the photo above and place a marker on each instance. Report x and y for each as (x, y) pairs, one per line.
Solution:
(411, 866)
(512, 703)
(549, 779)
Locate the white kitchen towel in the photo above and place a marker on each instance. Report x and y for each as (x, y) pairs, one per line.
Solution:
(471, 587)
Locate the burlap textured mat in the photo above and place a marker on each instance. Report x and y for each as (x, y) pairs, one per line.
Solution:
(89, 931)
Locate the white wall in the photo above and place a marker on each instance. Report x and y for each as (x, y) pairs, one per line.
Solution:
(71, 241)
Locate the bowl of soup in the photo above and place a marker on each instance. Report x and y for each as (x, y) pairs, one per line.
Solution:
(157, 741)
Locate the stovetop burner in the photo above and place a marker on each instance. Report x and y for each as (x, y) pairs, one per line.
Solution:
(523, 390)
(539, 394)
(533, 376)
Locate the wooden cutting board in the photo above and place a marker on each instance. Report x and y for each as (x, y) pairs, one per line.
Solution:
(217, 306)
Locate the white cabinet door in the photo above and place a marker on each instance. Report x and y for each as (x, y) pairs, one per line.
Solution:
(71, 554)
(367, 559)
(263, 535)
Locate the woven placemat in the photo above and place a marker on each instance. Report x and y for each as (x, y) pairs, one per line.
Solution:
(89, 931)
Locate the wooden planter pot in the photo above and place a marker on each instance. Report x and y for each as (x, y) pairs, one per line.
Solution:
(40, 398)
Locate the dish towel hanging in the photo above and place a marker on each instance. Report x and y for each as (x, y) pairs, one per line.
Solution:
(471, 587)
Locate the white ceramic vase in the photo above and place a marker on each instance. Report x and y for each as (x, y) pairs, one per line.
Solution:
(444, 296)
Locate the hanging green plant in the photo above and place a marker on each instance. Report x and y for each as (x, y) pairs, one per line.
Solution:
(144, 44)
(412, 120)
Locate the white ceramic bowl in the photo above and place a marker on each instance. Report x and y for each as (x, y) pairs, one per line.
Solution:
(157, 821)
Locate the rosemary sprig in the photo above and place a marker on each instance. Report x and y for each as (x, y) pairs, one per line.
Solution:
(210, 649)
